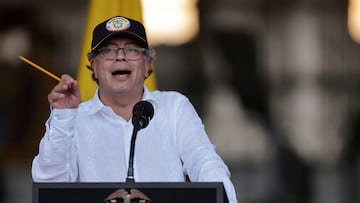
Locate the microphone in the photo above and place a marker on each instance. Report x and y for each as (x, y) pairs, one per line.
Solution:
(143, 112)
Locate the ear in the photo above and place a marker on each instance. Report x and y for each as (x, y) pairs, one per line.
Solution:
(93, 67)
(148, 68)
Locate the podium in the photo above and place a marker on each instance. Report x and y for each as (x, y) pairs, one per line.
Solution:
(169, 192)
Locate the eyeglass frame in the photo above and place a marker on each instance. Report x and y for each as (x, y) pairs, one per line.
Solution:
(125, 50)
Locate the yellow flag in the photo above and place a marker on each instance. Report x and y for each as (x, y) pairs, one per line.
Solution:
(99, 11)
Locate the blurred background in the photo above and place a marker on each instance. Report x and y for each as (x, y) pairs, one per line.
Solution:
(275, 82)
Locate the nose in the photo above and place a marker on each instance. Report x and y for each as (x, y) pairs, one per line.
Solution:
(120, 54)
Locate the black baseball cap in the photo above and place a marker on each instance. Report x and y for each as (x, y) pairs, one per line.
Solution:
(117, 26)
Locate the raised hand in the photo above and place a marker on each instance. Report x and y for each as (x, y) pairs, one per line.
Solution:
(66, 94)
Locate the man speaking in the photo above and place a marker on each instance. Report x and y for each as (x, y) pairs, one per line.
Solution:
(91, 141)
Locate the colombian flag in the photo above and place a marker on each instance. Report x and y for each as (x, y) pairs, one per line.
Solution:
(98, 11)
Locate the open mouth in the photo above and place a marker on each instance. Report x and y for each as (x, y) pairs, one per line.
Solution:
(121, 72)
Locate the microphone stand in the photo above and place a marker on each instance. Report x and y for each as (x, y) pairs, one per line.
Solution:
(130, 175)
(143, 111)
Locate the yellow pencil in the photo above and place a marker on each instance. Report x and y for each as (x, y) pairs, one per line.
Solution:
(40, 68)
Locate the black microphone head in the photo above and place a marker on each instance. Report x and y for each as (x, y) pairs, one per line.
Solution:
(143, 112)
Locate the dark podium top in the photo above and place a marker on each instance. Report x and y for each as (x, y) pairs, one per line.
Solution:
(169, 192)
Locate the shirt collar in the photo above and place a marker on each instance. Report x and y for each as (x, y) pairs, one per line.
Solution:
(95, 104)
(149, 96)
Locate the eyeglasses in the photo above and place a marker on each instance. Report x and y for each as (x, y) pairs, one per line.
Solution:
(130, 53)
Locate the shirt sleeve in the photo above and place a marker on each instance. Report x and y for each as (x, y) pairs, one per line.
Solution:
(56, 160)
(200, 160)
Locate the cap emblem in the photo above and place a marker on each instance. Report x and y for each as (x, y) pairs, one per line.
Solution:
(117, 24)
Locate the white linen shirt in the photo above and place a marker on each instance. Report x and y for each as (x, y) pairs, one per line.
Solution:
(92, 144)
